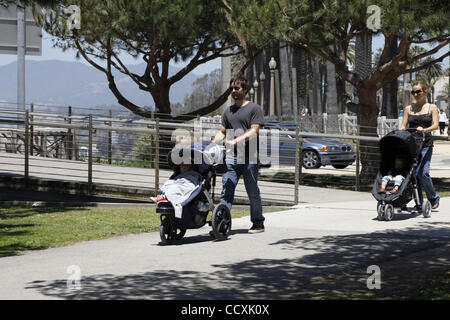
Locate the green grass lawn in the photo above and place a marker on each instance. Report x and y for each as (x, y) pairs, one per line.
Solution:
(26, 228)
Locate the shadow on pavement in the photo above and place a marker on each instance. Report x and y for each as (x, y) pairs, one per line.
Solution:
(324, 266)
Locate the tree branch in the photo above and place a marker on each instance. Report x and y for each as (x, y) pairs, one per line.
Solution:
(219, 101)
(440, 59)
(85, 56)
(438, 38)
(428, 53)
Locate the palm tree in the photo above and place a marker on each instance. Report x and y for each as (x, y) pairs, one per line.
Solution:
(299, 55)
(389, 105)
(363, 68)
(285, 78)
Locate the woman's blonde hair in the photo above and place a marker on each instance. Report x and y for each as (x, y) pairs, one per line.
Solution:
(420, 83)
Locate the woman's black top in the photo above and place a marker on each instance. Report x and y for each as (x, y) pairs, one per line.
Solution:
(424, 121)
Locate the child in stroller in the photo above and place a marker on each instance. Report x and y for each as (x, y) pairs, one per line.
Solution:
(400, 153)
(180, 185)
(187, 197)
(397, 175)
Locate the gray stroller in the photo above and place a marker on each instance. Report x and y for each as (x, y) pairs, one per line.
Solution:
(197, 207)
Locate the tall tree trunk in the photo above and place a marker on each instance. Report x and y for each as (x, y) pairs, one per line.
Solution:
(367, 111)
(299, 63)
(367, 121)
(332, 103)
(315, 86)
(341, 94)
(162, 101)
(285, 83)
(406, 93)
(323, 87)
(389, 106)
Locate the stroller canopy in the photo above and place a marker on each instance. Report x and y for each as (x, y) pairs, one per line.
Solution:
(398, 143)
(202, 155)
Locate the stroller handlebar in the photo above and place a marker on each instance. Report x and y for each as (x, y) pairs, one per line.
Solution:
(414, 130)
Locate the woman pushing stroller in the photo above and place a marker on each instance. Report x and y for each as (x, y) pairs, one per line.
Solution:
(424, 117)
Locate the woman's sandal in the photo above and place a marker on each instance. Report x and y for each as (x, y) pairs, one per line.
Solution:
(415, 210)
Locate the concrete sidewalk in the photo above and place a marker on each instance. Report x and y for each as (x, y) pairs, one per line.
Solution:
(300, 253)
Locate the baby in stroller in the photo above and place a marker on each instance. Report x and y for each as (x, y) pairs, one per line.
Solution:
(187, 197)
(396, 174)
(183, 185)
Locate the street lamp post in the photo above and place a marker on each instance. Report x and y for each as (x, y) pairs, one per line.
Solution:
(262, 78)
(252, 94)
(256, 85)
(272, 66)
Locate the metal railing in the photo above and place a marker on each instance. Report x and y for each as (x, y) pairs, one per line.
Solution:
(132, 152)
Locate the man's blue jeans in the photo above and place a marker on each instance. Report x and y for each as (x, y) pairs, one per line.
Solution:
(424, 179)
(230, 180)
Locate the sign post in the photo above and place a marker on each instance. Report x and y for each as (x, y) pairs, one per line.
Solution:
(19, 35)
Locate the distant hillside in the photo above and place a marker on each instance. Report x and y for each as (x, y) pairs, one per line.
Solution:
(77, 84)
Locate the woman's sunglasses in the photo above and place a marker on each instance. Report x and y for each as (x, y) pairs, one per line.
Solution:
(416, 92)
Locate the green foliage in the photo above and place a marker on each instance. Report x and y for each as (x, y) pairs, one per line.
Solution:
(325, 22)
(143, 149)
(138, 26)
(157, 31)
(206, 90)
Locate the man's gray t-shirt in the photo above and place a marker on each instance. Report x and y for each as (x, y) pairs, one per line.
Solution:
(238, 120)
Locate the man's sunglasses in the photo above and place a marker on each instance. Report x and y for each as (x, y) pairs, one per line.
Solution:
(236, 88)
(416, 92)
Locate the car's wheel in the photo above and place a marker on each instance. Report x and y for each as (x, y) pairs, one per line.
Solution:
(340, 166)
(311, 159)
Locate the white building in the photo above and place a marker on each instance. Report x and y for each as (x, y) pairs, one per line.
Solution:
(440, 93)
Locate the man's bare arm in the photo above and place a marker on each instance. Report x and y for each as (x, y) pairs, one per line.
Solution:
(253, 132)
(220, 135)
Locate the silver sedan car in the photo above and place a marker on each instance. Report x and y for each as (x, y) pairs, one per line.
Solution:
(316, 152)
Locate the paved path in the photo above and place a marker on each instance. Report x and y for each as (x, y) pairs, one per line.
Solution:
(301, 251)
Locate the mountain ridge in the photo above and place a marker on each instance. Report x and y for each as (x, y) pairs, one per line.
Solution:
(57, 82)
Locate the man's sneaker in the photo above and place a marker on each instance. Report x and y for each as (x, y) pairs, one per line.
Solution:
(256, 229)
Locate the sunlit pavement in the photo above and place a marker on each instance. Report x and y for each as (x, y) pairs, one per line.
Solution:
(298, 248)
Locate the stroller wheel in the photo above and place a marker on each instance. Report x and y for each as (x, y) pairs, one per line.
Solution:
(380, 211)
(426, 209)
(168, 233)
(221, 222)
(388, 212)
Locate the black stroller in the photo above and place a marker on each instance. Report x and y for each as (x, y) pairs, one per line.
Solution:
(195, 212)
(406, 144)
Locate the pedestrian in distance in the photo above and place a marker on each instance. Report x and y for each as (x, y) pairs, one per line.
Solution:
(443, 121)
